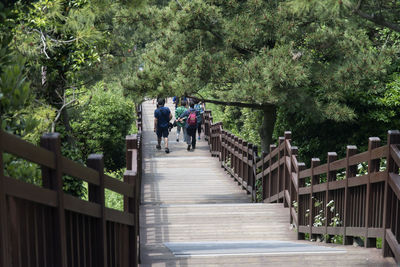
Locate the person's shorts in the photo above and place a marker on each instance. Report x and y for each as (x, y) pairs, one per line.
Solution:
(162, 132)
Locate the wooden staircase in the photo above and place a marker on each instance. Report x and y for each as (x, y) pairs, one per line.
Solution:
(195, 214)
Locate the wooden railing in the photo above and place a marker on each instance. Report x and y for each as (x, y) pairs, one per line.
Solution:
(133, 173)
(43, 226)
(329, 200)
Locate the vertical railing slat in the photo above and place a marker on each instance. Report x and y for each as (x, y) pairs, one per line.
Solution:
(4, 246)
(373, 166)
(53, 179)
(130, 205)
(330, 177)
(393, 138)
(350, 172)
(96, 194)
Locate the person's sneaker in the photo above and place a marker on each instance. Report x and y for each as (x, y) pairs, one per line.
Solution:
(177, 140)
(193, 146)
(158, 147)
(198, 138)
(188, 148)
(167, 150)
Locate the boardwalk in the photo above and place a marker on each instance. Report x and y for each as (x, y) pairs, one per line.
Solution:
(194, 214)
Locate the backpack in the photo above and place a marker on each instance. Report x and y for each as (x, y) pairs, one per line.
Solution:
(192, 119)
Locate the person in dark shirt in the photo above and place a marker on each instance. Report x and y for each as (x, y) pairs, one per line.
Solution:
(162, 116)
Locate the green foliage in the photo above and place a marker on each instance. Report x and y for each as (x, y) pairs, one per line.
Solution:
(381, 12)
(100, 125)
(243, 122)
(58, 46)
(391, 97)
(14, 90)
(113, 199)
(41, 118)
(74, 187)
(315, 69)
(21, 169)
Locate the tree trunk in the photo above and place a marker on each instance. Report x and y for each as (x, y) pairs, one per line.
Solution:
(67, 125)
(44, 76)
(267, 127)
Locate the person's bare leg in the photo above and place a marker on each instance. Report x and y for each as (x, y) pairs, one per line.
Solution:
(166, 142)
(166, 145)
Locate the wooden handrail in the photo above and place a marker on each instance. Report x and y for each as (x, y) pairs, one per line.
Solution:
(359, 201)
(66, 230)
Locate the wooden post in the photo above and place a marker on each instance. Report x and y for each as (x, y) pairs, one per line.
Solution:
(139, 163)
(252, 179)
(4, 247)
(236, 151)
(302, 166)
(131, 142)
(293, 152)
(246, 164)
(139, 117)
(210, 130)
(286, 183)
(52, 179)
(393, 138)
(263, 178)
(219, 139)
(131, 206)
(212, 138)
(373, 166)
(222, 158)
(271, 148)
(330, 177)
(279, 182)
(96, 194)
(230, 153)
(314, 163)
(240, 163)
(249, 162)
(350, 172)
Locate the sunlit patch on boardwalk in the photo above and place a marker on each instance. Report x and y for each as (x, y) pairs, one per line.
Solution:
(185, 249)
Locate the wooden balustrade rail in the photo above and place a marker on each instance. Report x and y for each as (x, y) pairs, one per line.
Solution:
(326, 200)
(43, 226)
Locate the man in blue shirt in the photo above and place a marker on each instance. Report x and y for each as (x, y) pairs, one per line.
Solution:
(162, 116)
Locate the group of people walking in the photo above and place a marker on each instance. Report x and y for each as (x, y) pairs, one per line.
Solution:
(188, 119)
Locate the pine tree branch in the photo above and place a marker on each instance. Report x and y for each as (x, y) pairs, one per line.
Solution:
(43, 39)
(61, 41)
(379, 20)
(235, 104)
(241, 50)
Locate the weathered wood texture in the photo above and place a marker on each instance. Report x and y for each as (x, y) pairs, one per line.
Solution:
(43, 226)
(188, 197)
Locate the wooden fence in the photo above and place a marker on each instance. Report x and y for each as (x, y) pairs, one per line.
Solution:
(329, 200)
(45, 227)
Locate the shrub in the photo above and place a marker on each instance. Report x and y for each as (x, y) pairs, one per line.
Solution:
(100, 125)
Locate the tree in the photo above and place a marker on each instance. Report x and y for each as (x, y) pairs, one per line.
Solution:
(66, 46)
(380, 12)
(262, 55)
(14, 88)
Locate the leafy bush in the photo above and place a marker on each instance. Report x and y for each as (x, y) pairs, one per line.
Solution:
(21, 169)
(243, 122)
(100, 125)
(112, 199)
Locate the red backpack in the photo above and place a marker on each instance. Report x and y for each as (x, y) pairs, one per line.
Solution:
(192, 119)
